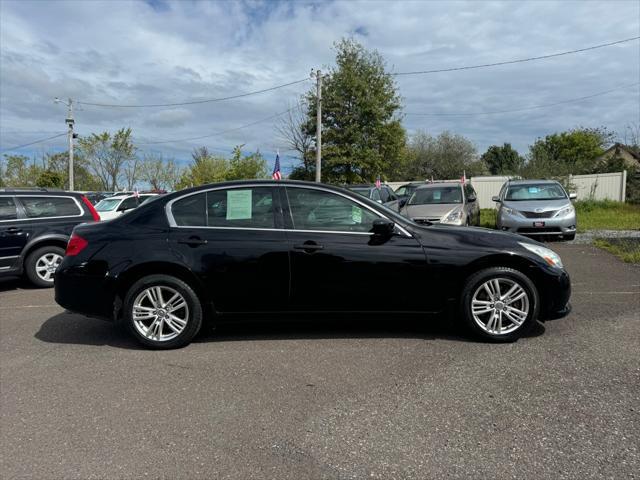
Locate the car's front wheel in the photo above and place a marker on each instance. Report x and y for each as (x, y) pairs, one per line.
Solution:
(499, 304)
(162, 312)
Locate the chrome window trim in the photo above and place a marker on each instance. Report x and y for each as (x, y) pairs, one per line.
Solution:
(10, 256)
(173, 224)
(82, 214)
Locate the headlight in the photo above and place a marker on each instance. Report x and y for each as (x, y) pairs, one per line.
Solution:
(453, 217)
(565, 211)
(551, 257)
(510, 211)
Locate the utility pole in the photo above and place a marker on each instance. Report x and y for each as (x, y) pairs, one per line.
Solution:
(318, 76)
(70, 136)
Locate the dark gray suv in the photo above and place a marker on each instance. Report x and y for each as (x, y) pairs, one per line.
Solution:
(35, 226)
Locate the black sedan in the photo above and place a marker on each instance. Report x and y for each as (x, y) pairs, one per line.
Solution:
(209, 252)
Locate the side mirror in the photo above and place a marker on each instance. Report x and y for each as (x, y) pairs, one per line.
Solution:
(495, 198)
(383, 227)
(402, 202)
(122, 208)
(471, 199)
(573, 196)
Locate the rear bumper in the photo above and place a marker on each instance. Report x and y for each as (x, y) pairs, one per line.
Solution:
(83, 290)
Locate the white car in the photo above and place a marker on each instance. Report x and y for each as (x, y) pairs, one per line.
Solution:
(112, 207)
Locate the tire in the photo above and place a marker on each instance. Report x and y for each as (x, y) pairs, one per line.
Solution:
(154, 321)
(513, 319)
(40, 265)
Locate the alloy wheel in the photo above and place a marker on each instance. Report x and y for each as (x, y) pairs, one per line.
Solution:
(160, 313)
(46, 266)
(500, 306)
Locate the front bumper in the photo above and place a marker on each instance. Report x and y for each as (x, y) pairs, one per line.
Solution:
(537, 226)
(555, 292)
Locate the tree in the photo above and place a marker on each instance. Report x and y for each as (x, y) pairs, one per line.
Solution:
(206, 168)
(50, 179)
(83, 179)
(572, 152)
(446, 156)
(246, 167)
(161, 174)
(362, 134)
(291, 131)
(108, 156)
(18, 172)
(502, 160)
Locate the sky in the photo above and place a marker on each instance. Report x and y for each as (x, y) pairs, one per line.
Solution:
(156, 51)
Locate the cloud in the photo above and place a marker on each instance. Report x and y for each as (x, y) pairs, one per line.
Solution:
(168, 52)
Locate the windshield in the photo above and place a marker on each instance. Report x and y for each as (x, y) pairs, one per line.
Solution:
(108, 204)
(436, 195)
(535, 191)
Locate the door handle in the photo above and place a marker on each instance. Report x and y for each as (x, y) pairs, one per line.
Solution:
(193, 241)
(309, 247)
(13, 230)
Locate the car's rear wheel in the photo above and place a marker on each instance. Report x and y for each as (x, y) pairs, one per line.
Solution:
(499, 304)
(41, 265)
(162, 312)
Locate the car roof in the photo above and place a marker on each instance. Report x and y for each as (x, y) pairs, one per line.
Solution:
(128, 195)
(39, 191)
(439, 184)
(527, 182)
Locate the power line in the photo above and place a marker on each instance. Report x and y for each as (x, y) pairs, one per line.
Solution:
(562, 102)
(193, 102)
(520, 60)
(221, 132)
(33, 143)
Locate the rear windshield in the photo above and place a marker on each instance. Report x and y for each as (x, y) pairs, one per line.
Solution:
(535, 191)
(436, 195)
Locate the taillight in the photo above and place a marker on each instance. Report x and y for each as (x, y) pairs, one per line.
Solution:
(91, 208)
(76, 245)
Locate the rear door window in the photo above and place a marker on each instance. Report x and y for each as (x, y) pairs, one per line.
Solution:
(47, 207)
(241, 208)
(8, 209)
(251, 207)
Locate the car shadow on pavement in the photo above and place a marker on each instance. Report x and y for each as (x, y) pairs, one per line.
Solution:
(68, 328)
(15, 283)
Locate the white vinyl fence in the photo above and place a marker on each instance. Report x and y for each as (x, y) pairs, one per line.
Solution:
(597, 186)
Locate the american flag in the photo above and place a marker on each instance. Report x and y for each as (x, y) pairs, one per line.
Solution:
(463, 179)
(136, 194)
(378, 182)
(276, 175)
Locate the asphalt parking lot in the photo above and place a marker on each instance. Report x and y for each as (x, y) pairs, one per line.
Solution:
(335, 398)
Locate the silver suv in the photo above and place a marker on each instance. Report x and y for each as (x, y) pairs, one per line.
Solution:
(536, 207)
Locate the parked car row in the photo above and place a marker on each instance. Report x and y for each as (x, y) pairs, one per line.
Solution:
(527, 207)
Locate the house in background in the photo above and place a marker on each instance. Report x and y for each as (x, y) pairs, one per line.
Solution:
(629, 156)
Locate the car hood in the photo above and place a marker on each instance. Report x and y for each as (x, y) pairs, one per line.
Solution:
(428, 211)
(475, 237)
(537, 205)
